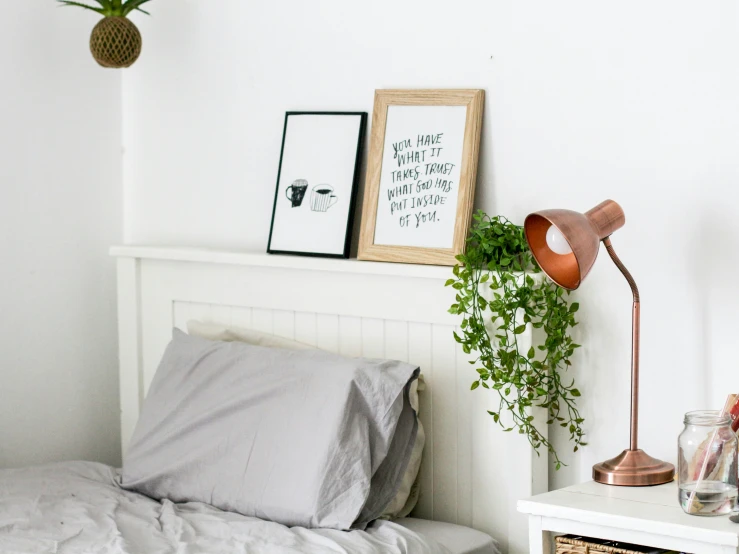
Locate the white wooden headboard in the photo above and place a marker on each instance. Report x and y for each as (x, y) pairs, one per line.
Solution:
(472, 472)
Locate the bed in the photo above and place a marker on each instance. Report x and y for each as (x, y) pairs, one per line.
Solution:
(76, 507)
(471, 476)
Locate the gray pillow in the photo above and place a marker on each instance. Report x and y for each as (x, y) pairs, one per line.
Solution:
(295, 437)
(407, 496)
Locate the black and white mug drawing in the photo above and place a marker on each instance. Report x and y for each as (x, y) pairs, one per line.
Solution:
(322, 197)
(296, 192)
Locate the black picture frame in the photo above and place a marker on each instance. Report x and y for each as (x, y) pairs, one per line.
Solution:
(354, 187)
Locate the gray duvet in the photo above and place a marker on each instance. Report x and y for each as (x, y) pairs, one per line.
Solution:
(79, 507)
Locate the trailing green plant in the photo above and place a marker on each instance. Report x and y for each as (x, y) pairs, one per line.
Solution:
(110, 8)
(498, 257)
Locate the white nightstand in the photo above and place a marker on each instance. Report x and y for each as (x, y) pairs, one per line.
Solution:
(649, 516)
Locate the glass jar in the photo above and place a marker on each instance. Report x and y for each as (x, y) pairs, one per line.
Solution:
(707, 464)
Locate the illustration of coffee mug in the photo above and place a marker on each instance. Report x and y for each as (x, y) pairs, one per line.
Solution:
(322, 197)
(296, 192)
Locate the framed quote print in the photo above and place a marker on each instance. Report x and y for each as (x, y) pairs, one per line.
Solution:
(421, 174)
(317, 183)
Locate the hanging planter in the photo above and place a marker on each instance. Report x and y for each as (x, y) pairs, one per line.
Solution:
(115, 41)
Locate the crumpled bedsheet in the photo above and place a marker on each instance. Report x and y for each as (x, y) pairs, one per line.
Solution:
(79, 507)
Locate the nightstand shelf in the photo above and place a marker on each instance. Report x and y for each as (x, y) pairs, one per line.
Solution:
(649, 516)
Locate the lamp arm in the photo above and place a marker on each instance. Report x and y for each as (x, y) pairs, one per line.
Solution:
(635, 331)
(622, 268)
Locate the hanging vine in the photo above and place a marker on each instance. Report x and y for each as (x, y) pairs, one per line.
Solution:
(498, 257)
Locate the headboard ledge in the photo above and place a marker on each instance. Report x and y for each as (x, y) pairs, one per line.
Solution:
(472, 474)
(204, 255)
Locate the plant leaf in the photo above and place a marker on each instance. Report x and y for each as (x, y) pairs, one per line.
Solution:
(81, 5)
(132, 5)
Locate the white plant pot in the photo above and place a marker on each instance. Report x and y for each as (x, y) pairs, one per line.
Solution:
(530, 337)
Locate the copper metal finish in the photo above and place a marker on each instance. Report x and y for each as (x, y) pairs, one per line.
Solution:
(606, 218)
(633, 468)
(583, 232)
(635, 332)
(568, 270)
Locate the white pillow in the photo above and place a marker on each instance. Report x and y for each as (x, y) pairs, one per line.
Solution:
(212, 331)
(407, 497)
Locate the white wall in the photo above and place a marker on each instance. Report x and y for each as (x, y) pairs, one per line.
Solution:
(60, 209)
(636, 101)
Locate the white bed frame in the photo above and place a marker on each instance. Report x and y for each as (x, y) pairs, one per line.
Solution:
(472, 473)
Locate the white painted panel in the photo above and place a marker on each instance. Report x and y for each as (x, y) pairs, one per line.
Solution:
(262, 320)
(241, 317)
(180, 315)
(373, 338)
(396, 340)
(464, 377)
(490, 512)
(350, 336)
(327, 332)
(129, 346)
(305, 328)
(157, 317)
(283, 323)
(444, 397)
(186, 311)
(220, 314)
(419, 352)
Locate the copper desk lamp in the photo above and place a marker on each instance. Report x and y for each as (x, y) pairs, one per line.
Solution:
(565, 244)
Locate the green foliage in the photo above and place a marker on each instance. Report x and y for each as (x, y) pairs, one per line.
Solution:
(498, 257)
(110, 8)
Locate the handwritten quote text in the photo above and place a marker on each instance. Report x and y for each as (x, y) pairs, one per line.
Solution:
(420, 180)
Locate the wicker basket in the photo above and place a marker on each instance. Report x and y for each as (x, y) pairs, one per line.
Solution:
(573, 544)
(115, 42)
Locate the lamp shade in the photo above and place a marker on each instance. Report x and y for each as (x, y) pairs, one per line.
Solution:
(583, 233)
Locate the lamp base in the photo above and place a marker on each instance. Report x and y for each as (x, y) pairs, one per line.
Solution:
(633, 468)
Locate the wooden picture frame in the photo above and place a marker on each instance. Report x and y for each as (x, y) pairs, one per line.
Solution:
(391, 222)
